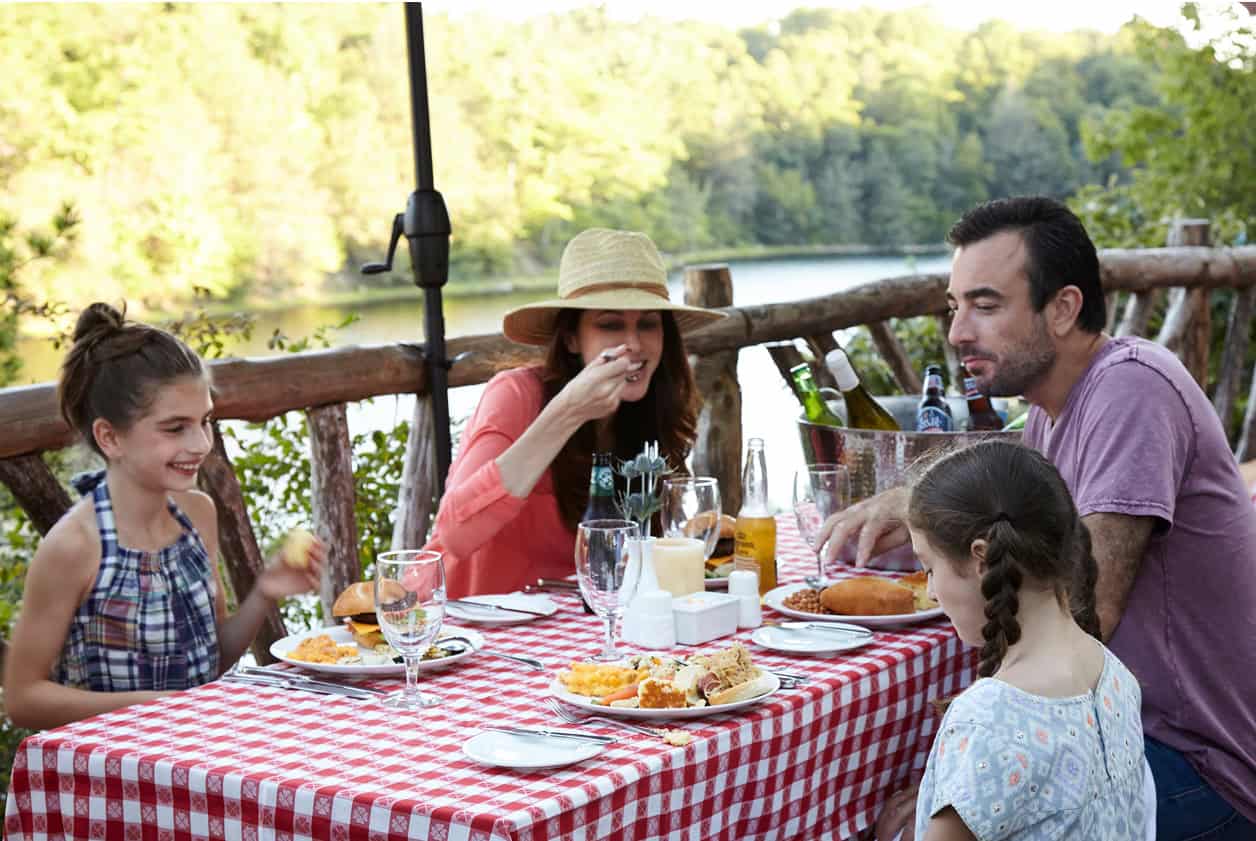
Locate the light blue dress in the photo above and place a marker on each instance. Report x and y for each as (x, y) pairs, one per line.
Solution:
(1026, 767)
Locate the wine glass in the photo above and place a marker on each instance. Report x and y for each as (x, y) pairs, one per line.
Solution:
(603, 551)
(820, 491)
(690, 518)
(410, 606)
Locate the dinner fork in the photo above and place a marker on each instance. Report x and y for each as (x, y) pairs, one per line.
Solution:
(576, 718)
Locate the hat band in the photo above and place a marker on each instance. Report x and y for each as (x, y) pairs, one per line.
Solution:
(656, 289)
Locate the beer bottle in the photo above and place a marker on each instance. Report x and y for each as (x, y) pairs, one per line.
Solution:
(601, 490)
(862, 409)
(981, 415)
(933, 414)
(754, 546)
(601, 505)
(813, 404)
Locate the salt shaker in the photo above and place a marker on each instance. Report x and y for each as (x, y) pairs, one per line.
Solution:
(744, 584)
(657, 622)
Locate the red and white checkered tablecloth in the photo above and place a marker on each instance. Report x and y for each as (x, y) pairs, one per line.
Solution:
(235, 761)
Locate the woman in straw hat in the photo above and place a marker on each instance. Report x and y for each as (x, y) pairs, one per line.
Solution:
(615, 376)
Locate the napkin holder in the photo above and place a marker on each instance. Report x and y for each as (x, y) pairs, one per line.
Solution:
(702, 617)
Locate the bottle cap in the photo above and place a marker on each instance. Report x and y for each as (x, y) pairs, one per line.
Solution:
(841, 369)
(743, 582)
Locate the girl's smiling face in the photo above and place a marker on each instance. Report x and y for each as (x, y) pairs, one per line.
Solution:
(163, 449)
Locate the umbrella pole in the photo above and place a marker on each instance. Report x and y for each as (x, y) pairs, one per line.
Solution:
(426, 228)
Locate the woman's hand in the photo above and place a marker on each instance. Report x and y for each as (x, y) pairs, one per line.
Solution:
(597, 390)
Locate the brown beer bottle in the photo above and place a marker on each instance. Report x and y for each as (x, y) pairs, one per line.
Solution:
(981, 414)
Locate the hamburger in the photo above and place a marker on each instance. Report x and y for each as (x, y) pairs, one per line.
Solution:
(720, 564)
(356, 606)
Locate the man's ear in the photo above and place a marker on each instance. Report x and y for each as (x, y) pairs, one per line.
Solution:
(1063, 310)
(977, 552)
(106, 437)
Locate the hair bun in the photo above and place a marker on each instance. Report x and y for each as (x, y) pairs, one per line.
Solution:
(97, 321)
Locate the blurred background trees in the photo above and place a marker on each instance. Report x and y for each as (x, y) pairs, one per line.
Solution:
(259, 151)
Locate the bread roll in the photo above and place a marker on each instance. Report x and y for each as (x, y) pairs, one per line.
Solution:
(752, 688)
(868, 595)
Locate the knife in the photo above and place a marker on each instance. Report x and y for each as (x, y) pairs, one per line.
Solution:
(294, 681)
(487, 606)
(545, 731)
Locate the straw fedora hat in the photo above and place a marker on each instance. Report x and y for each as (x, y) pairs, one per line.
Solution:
(603, 269)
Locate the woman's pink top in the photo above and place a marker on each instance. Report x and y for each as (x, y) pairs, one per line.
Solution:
(494, 542)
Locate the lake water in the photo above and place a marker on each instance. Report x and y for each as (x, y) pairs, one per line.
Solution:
(769, 409)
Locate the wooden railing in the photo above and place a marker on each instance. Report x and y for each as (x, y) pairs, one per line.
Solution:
(320, 383)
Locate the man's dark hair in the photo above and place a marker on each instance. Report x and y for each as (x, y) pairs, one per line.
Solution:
(1058, 250)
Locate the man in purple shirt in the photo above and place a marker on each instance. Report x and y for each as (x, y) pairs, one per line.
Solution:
(1146, 458)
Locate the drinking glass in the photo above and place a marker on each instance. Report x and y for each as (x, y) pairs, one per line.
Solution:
(820, 490)
(690, 517)
(410, 606)
(603, 552)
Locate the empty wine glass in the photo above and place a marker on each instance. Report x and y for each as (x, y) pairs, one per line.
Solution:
(820, 491)
(410, 607)
(603, 553)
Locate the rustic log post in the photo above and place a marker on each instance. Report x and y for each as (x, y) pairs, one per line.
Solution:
(35, 489)
(895, 355)
(1246, 448)
(1237, 334)
(1188, 321)
(785, 355)
(416, 495)
(717, 448)
(1110, 305)
(237, 543)
(1138, 311)
(332, 500)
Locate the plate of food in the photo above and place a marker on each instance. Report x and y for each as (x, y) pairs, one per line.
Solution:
(868, 600)
(497, 609)
(651, 686)
(358, 646)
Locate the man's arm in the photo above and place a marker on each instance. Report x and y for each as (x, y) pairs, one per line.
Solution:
(1118, 542)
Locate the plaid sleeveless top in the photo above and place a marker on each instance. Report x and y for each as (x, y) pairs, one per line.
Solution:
(148, 622)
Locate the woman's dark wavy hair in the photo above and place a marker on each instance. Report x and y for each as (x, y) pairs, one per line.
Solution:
(114, 368)
(1015, 500)
(668, 413)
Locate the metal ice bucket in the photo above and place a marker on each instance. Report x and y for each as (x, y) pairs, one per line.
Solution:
(878, 460)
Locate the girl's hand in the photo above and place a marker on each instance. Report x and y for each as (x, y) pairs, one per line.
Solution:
(596, 391)
(279, 580)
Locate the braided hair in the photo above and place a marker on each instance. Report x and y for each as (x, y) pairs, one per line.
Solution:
(115, 367)
(1015, 500)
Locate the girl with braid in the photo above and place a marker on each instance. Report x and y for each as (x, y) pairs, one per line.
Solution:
(1047, 743)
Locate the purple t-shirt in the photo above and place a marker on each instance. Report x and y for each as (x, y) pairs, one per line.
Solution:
(1137, 436)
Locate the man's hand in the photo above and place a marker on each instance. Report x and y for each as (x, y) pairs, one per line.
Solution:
(879, 523)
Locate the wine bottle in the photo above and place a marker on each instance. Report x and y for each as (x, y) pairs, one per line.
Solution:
(813, 404)
(862, 409)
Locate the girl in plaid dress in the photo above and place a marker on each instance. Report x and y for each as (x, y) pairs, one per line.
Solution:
(123, 601)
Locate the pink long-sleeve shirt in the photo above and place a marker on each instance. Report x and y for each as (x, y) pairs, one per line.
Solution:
(494, 542)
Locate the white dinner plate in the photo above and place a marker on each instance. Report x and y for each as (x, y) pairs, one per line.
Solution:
(586, 703)
(489, 616)
(797, 638)
(507, 750)
(343, 636)
(775, 599)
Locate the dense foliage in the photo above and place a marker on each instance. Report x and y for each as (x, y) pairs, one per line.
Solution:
(261, 149)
